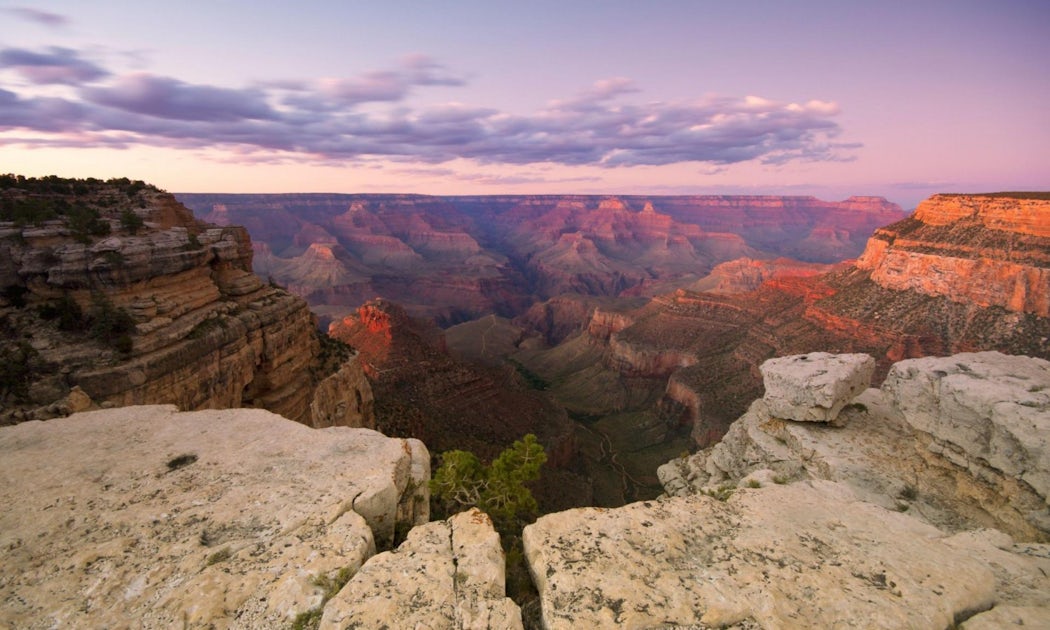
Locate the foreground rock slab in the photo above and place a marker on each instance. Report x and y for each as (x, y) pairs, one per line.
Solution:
(805, 555)
(149, 518)
(447, 574)
(988, 413)
(814, 387)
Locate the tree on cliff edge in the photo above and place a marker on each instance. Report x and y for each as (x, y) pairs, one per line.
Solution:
(498, 489)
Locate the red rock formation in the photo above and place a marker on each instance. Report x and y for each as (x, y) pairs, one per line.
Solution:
(954, 284)
(457, 258)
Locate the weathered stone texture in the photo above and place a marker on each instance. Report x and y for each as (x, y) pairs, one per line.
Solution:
(796, 556)
(147, 517)
(447, 574)
(814, 387)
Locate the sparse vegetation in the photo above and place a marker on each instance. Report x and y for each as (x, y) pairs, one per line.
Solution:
(310, 619)
(110, 325)
(498, 489)
(754, 483)
(722, 492)
(532, 379)
(219, 556)
(131, 221)
(16, 370)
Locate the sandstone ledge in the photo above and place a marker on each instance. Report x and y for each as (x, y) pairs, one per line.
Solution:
(203, 519)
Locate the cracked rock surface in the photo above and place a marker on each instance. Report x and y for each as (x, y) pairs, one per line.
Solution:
(149, 518)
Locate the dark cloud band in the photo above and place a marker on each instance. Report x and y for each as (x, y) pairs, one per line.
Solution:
(325, 119)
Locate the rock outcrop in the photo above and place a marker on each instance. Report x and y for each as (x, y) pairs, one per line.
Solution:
(799, 556)
(814, 387)
(149, 306)
(209, 519)
(447, 574)
(985, 250)
(871, 524)
(961, 440)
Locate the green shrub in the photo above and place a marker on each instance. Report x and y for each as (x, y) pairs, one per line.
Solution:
(498, 489)
(131, 221)
(16, 369)
(68, 313)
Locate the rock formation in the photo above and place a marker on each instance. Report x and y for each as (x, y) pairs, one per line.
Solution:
(881, 519)
(147, 517)
(151, 306)
(447, 574)
(965, 273)
(459, 258)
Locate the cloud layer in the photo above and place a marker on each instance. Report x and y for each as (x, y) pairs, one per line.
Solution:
(345, 119)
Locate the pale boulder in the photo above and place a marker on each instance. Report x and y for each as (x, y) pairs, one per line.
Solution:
(447, 574)
(150, 518)
(814, 387)
(804, 555)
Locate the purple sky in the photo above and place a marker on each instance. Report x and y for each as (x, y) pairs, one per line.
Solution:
(900, 99)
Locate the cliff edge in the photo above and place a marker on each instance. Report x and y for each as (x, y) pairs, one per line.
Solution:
(114, 295)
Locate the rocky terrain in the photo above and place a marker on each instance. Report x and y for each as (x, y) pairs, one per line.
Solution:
(113, 294)
(458, 258)
(149, 518)
(921, 504)
(963, 273)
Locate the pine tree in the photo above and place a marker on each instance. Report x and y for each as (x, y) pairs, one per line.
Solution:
(498, 489)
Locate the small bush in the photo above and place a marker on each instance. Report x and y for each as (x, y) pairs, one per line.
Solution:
(111, 325)
(16, 369)
(131, 221)
(219, 556)
(68, 313)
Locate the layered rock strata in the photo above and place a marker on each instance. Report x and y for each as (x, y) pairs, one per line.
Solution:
(989, 251)
(209, 519)
(447, 574)
(459, 258)
(197, 328)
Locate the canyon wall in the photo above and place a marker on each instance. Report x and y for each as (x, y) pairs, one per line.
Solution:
(458, 258)
(155, 307)
(965, 273)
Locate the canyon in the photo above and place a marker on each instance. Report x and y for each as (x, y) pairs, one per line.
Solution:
(875, 488)
(453, 259)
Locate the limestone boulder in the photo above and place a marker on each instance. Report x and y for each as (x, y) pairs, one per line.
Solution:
(985, 412)
(814, 387)
(447, 574)
(802, 555)
(150, 518)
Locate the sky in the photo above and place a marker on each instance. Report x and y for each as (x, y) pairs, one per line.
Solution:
(898, 98)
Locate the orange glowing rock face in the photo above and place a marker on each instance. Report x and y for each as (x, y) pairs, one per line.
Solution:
(989, 251)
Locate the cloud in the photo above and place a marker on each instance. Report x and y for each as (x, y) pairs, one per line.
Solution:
(322, 120)
(56, 65)
(164, 97)
(46, 18)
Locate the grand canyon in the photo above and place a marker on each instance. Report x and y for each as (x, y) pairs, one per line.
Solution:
(524, 315)
(748, 367)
